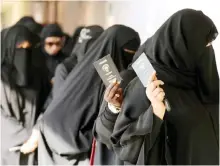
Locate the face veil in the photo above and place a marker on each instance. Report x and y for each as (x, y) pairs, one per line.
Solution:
(16, 62)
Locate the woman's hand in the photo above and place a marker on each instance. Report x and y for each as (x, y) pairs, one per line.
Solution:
(114, 95)
(156, 95)
(32, 143)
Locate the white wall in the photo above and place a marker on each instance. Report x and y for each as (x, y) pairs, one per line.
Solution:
(70, 15)
(75, 13)
(146, 16)
(95, 13)
(12, 11)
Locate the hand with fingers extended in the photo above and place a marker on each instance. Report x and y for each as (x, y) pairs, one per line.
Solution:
(114, 95)
(156, 95)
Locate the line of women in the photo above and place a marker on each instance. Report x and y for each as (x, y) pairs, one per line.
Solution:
(28, 62)
(85, 122)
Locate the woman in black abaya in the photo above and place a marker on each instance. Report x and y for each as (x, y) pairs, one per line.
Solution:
(86, 38)
(76, 108)
(52, 40)
(23, 92)
(104, 124)
(182, 55)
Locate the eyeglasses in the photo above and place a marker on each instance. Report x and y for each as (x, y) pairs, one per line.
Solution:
(50, 44)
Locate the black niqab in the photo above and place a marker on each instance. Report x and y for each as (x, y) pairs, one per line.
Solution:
(15, 61)
(72, 136)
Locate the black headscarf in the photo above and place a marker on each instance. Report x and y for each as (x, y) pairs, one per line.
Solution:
(52, 30)
(76, 34)
(16, 62)
(31, 24)
(179, 54)
(87, 36)
(77, 106)
(55, 30)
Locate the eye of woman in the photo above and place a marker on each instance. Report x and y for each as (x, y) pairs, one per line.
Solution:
(24, 44)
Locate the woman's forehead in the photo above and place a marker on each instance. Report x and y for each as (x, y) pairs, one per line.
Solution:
(53, 39)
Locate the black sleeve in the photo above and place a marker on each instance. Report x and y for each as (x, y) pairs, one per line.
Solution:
(104, 125)
(130, 137)
(108, 118)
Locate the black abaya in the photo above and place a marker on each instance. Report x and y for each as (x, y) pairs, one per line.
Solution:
(77, 106)
(188, 134)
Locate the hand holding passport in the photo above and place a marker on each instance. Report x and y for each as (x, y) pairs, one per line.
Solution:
(144, 70)
(114, 95)
(109, 73)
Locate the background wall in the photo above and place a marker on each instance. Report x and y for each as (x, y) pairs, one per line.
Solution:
(12, 11)
(74, 13)
(70, 14)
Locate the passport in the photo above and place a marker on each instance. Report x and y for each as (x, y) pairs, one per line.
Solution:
(107, 70)
(143, 69)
